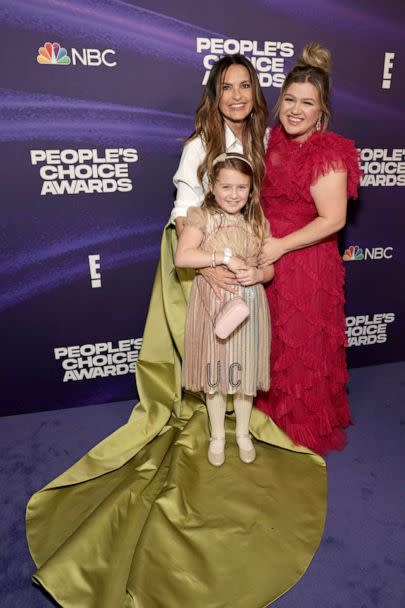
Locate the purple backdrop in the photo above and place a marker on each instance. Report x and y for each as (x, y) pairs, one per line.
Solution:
(91, 132)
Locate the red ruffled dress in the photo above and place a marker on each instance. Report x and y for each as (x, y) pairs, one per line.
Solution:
(307, 398)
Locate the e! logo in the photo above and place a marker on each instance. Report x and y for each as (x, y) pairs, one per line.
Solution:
(94, 264)
(388, 65)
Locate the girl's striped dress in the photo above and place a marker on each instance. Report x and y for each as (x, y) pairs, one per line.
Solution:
(239, 364)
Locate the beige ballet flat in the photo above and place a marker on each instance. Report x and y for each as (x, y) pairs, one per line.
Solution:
(216, 458)
(249, 455)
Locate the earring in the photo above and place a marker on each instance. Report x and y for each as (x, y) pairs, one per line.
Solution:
(318, 124)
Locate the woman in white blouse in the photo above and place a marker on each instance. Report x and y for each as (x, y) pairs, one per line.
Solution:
(232, 117)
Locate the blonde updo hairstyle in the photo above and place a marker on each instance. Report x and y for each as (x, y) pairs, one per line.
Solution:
(314, 66)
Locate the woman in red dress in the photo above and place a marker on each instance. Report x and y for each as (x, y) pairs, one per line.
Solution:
(310, 174)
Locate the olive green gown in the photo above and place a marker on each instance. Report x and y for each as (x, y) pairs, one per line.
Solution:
(144, 521)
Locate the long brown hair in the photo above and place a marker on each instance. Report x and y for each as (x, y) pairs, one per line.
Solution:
(252, 211)
(313, 66)
(209, 122)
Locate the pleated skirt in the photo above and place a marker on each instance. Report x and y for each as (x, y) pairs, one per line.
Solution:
(240, 363)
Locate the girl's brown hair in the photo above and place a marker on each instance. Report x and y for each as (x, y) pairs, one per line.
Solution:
(209, 122)
(252, 211)
(313, 66)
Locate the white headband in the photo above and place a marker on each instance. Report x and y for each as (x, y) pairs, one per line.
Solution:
(225, 156)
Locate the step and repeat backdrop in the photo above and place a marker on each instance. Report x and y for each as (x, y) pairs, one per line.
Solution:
(96, 99)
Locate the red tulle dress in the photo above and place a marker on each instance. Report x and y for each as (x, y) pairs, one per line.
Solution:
(307, 398)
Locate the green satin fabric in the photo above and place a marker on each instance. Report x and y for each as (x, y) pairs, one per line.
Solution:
(144, 521)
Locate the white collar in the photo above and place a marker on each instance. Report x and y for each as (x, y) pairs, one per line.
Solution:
(230, 138)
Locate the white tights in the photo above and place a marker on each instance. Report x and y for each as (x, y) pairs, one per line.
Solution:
(216, 406)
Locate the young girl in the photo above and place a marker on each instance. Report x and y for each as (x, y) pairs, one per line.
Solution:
(229, 229)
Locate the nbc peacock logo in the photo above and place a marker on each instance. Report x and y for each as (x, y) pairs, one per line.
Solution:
(52, 53)
(353, 253)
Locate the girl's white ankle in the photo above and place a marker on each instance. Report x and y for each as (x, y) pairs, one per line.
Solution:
(244, 441)
(217, 444)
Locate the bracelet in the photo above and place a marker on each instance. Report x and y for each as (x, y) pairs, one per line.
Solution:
(213, 260)
(227, 255)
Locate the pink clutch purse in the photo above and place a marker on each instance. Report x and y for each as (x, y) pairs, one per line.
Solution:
(231, 315)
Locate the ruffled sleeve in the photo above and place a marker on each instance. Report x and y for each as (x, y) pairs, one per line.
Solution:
(333, 152)
(196, 217)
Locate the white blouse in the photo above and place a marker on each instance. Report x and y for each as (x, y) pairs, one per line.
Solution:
(190, 193)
